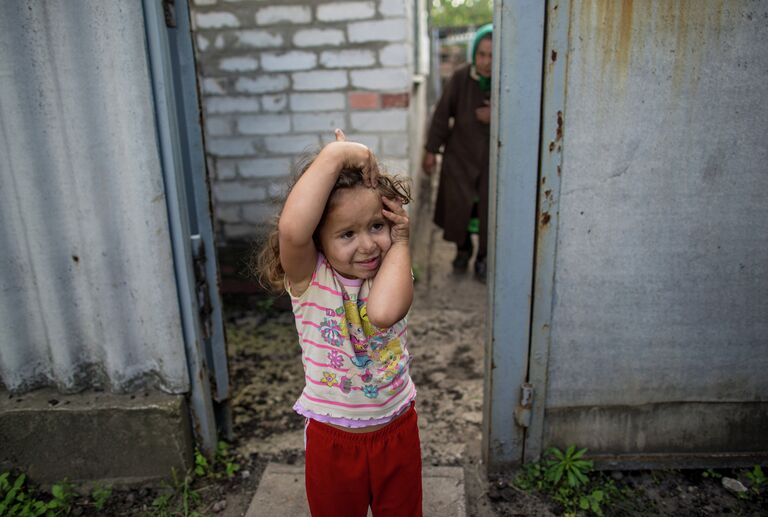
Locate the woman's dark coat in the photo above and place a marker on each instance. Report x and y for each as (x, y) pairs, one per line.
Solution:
(464, 171)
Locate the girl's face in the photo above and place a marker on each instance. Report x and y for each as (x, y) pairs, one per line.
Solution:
(354, 236)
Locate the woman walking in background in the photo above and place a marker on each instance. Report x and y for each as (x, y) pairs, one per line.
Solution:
(461, 127)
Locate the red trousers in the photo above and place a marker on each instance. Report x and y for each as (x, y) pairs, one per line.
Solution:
(347, 472)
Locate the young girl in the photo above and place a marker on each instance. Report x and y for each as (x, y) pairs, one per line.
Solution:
(341, 251)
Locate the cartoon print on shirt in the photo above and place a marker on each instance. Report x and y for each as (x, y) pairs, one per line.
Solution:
(329, 379)
(378, 353)
(335, 359)
(331, 332)
(346, 384)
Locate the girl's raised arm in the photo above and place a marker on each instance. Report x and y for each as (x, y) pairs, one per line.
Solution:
(392, 291)
(305, 205)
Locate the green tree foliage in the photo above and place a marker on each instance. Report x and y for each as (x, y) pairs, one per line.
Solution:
(461, 13)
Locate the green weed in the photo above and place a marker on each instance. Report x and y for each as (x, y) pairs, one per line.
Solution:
(178, 499)
(16, 500)
(100, 496)
(757, 479)
(569, 479)
(63, 495)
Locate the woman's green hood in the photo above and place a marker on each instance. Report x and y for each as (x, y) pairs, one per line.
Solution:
(482, 32)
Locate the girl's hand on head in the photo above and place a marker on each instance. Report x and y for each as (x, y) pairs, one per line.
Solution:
(356, 155)
(395, 213)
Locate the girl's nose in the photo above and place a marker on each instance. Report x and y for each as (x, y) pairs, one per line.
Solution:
(366, 243)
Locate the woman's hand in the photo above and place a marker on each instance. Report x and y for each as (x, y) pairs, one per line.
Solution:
(396, 214)
(428, 163)
(483, 114)
(358, 156)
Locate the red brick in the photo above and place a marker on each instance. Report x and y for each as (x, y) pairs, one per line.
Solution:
(364, 100)
(395, 100)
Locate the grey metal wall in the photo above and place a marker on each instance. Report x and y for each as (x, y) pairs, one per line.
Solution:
(657, 300)
(88, 296)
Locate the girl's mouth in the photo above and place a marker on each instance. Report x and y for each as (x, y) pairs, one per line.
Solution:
(372, 263)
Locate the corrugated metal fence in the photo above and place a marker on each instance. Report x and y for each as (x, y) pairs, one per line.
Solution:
(89, 297)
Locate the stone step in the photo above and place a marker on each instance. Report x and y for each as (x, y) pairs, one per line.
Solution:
(281, 492)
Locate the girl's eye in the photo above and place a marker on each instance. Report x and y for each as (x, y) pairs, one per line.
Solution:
(347, 235)
(377, 227)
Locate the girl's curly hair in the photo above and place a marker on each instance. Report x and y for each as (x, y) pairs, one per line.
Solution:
(264, 263)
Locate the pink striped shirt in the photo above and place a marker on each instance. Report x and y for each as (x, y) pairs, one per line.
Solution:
(356, 374)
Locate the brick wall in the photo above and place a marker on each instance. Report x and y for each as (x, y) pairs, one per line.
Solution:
(277, 77)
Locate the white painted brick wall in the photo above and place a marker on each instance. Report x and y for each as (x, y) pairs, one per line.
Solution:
(317, 101)
(392, 7)
(230, 146)
(278, 189)
(258, 213)
(202, 43)
(239, 64)
(225, 169)
(231, 105)
(384, 79)
(318, 37)
(264, 168)
(288, 61)
(306, 122)
(283, 14)
(228, 213)
(216, 20)
(237, 192)
(276, 80)
(258, 39)
(379, 30)
(293, 144)
(212, 86)
(394, 145)
(262, 84)
(277, 102)
(396, 54)
(218, 126)
(339, 11)
(263, 124)
(347, 58)
(238, 231)
(384, 120)
(319, 80)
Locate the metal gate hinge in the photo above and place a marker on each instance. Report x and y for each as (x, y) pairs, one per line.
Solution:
(204, 305)
(169, 11)
(523, 411)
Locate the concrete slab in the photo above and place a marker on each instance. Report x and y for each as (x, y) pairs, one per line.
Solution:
(281, 492)
(95, 437)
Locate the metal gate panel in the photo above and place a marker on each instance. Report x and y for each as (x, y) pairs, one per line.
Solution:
(658, 345)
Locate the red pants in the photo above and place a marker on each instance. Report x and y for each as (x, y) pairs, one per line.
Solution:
(347, 472)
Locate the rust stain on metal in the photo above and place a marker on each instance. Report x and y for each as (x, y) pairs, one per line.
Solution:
(559, 133)
(545, 218)
(551, 146)
(553, 55)
(548, 194)
(558, 170)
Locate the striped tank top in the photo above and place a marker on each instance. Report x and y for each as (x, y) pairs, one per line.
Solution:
(356, 375)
